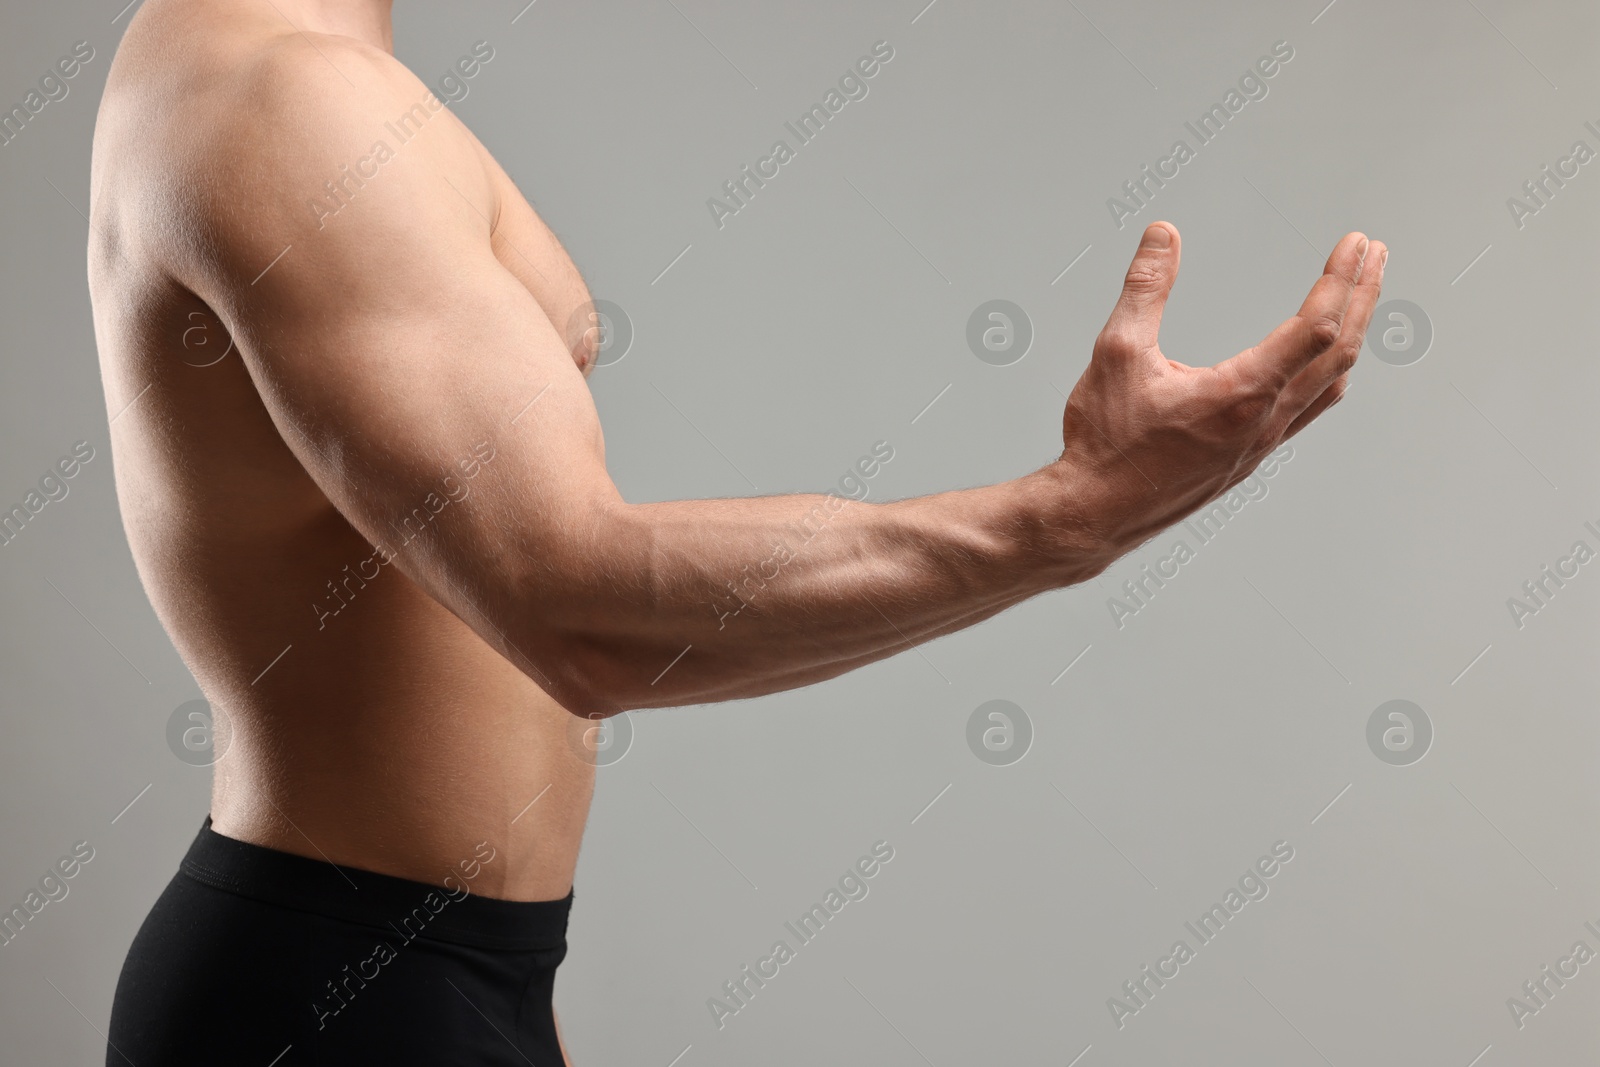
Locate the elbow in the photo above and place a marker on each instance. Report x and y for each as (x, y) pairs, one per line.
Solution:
(581, 677)
(571, 619)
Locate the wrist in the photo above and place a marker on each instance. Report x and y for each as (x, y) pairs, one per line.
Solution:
(1076, 542)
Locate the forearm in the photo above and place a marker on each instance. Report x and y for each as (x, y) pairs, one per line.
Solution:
(699, 601)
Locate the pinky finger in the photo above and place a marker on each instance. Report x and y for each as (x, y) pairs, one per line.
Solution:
(1328, 397)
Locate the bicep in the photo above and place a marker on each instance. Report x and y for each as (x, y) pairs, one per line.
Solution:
(410, 371)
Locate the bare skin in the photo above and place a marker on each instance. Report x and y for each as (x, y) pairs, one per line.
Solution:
(420, 356)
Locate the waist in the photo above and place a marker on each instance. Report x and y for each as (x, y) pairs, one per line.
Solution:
(411, 789)
(451, 911)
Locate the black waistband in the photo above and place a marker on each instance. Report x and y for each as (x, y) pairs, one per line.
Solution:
(384, 902)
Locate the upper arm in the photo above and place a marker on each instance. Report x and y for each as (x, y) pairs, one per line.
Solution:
(391, 347)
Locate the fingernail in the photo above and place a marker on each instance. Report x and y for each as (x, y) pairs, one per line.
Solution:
(1158, 237)
(1361, 250)
(1383, 261)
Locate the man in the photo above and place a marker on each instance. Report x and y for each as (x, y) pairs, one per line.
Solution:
(364, 483)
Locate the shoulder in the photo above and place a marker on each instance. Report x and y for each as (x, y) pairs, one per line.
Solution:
(307, 130)
(306, 90)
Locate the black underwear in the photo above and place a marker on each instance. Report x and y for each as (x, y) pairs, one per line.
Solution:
(258, 957)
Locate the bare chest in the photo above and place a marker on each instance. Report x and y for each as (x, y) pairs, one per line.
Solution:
(530, 250)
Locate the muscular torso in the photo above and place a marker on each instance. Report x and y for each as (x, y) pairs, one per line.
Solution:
(359, 720)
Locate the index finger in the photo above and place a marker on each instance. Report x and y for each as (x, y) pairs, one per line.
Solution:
(1313, 329)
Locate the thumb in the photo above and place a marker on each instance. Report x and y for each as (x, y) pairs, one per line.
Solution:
(1136, 320)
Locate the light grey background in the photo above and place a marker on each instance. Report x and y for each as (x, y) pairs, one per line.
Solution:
(826, 316)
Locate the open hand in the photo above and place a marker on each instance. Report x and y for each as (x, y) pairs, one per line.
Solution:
(1150, 440)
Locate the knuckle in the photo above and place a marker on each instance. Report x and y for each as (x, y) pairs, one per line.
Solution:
(1324, 331)
(1115, 340)
(1349, 352)
(1246, 412)
(1144, 277)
